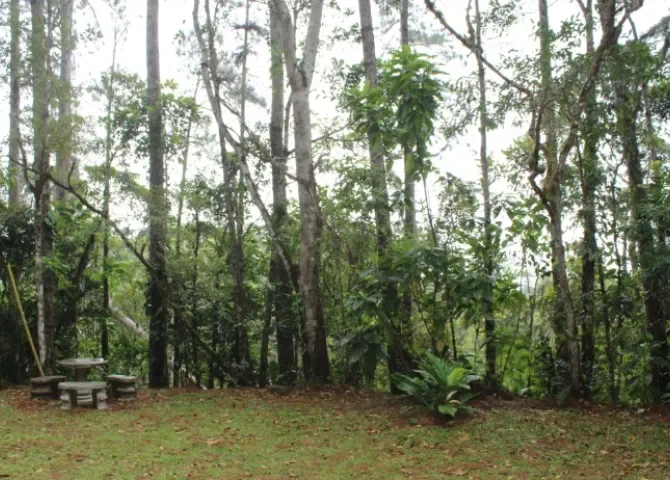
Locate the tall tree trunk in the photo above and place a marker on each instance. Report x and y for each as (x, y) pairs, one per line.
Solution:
(241, 346)
(44, 241)
(404, 22)
(489, 318)
(410, 171)
(177, 344)
(551, 196)
(399, 357)
(279, 277)
(610, 348)
(300, 78)
(14, 171)
(588, 167)
(184, 170)
(643, 235)
(265, 338)
(400, 360)
(64, 165)
(194, 306)
(158, 291)
(310, 238)
(212, 82)
(104, 337)
(409, 191)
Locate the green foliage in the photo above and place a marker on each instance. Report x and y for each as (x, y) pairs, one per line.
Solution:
(129, 119)
(439, 385)
(364, 349)
(445, 268)
(402, 109)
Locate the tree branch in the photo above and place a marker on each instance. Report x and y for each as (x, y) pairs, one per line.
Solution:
(100, 213)
(312, 40)
(430, 4)
(226, 136)
(128, 322)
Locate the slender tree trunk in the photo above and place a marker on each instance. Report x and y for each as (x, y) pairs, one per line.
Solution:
(104, 337)
(279, 277)
(404, 22)
(241, 346)
(44, 241)
(410, 171)
(300, 76)
(621, 272)
(14, 171)
(531, 324)
(409, 220)
(177, 344)
(609, 344)
(184, 169)
(489, 317)
(643, 235)
(158, 291)
(212, 82)
(589, 256)
(588, 167)
(265, 338)
(399, 358)
(194, 307)
(64, 140)
(452, 329)
(551, 193)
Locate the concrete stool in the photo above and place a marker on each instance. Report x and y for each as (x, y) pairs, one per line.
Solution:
(45, 387)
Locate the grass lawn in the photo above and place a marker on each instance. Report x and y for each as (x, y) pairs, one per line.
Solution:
(239, 434)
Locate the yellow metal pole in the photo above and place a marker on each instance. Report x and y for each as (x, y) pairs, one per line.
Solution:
(23, 318)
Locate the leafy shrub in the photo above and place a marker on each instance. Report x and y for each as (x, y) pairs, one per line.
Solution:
(439, 386)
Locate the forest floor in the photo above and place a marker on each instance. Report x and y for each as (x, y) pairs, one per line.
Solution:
(240, 434)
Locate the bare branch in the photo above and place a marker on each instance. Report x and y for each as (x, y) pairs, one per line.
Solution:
(128, 322)
(582, 6)
(430, 4)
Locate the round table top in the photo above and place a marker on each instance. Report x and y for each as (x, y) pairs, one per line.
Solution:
(82, 362)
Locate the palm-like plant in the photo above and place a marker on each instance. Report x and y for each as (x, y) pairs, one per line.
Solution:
(440, 386)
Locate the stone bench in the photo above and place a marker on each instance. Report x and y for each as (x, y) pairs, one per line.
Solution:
(122, 386)
(45, 387)
(83, 393)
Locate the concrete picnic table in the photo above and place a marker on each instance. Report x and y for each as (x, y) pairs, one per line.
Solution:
(82, 366)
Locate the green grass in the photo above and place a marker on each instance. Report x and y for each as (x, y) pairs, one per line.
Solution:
(247, 434)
